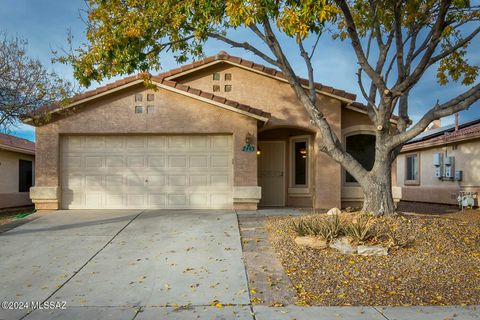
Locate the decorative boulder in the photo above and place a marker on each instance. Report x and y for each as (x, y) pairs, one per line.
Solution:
(311, 242)
(343, 245)
(334, 211)
(372, 251)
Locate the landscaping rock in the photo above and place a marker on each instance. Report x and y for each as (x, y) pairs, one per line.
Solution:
(372, 251)
(311, 242)
(343, 245)
(334, 211)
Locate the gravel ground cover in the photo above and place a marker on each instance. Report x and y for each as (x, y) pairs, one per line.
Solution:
(432, 260)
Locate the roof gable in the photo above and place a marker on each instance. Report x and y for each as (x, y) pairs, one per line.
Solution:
(160, 83)
(224, 57)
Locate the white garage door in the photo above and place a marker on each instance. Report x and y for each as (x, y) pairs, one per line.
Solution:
(149, 172)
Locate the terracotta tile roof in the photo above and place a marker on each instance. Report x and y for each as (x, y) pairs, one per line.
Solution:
(223, 56)
(470, 131)
(8, 141)
(159, 80)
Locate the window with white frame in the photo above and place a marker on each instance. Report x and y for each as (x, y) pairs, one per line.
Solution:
(411, 169)
(299, 167)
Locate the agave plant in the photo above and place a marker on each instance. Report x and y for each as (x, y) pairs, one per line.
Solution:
(360, 230)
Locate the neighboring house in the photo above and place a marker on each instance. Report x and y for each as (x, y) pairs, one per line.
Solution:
(17, 157)
(435, 166)
(222, 132)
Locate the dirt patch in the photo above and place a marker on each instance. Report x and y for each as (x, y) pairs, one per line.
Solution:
(437, 264)
(426, 208)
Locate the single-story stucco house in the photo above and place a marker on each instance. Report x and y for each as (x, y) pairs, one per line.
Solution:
(17, 158)
(222, 132)
(436, 165)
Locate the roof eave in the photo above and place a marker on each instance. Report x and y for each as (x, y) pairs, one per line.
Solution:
(16, 149)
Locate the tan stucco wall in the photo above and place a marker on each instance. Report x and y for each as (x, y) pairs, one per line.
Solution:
(174, 114)
(9, 195)
(277, 97)
(432, 189)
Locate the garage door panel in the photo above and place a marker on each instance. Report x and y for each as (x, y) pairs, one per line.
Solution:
(199, 200)
(114, 200)
(177, 181)
(156, 200)
(72, 162)
(199, 180)
(114, 161)
(177, 143)
(135, 161)
(135, 181)
(199, 161)
(199, 143)
(219, 200)
(177, 161)
(72, 198)
(177, 199)
(221, 143)
(113, 143)
(156, 162)
(156, 143)
(220, 180)
(74, 143)
(136, 200)
(156, 181)
(94, 162)
(220, 161)
(147, 171)
(136, 142)
(94, 200)
(94, 142)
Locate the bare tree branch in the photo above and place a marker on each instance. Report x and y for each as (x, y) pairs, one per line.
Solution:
(245, 45)
(459, 103)
(308, 63)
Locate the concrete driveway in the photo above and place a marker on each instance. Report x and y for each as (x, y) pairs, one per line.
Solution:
(115, 264)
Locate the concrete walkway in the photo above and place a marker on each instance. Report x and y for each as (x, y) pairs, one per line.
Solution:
(133, 264)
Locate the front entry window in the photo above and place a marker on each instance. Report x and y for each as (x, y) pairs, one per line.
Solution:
(300, 162)
(362, 148)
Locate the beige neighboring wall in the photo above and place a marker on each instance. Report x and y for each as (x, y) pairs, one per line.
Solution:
(114, 114)
(434, 190)
(9, 195)
(277, 97)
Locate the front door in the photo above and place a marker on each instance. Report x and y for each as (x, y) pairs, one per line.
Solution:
(271, 172)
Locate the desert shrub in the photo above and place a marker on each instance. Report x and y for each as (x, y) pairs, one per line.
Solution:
(331, 228)
(304, 227)
(327, 228)
(360, 229)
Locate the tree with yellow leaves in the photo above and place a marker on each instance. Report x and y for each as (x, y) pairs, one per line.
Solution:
(395, 43)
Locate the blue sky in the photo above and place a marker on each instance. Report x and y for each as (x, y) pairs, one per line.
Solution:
(45, 24)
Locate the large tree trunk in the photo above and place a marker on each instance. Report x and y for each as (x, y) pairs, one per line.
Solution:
(377, 189)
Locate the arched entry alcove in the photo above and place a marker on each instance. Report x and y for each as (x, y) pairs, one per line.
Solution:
(285, 166)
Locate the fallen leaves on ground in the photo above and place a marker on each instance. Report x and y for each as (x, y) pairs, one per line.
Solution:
(439, 266)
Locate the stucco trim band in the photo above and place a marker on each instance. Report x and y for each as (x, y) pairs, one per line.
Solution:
(44, 194)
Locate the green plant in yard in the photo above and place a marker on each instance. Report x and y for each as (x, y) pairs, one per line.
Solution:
(332, 228)
(304, 227)
(361, 229)
(328, 228)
